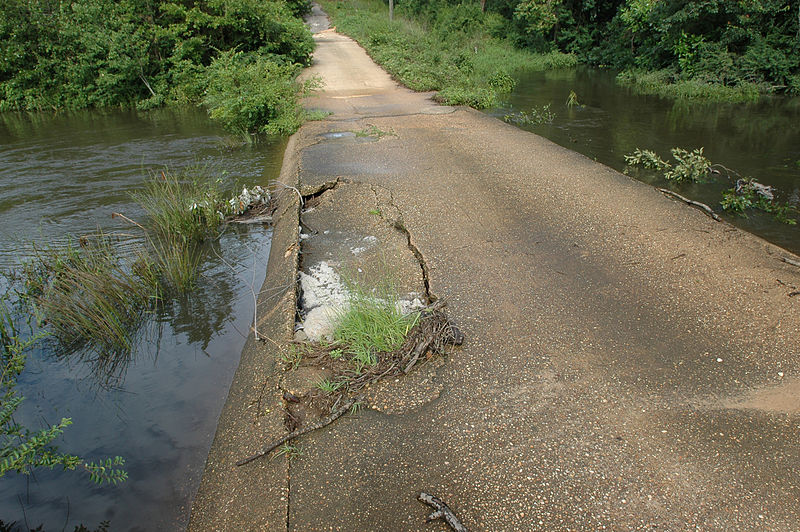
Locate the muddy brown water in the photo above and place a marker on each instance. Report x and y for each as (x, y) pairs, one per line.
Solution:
(64, 175)
(759, 140)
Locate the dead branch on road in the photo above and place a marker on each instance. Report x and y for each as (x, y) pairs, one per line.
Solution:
(330, 418)
(793, 262)
(702, 206)
(442, 511)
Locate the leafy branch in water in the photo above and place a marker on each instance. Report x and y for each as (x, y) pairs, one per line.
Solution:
(746, 194)
(535, 117)
(689, 165)
(22, 449)
(646, 159)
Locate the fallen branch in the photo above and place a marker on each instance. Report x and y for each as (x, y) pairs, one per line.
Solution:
(793, 262)
(702, 206)
(418, 350)
(262, 219)
(330, 418)
(442, 511)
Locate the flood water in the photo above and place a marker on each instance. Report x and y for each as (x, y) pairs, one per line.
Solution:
(760, 140)
(66, 174)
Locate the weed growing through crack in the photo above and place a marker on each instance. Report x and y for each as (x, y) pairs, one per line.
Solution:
(372, 325)
(292, 356)
(289, 451)
(374, 131)
(357, 407)
(329, 386)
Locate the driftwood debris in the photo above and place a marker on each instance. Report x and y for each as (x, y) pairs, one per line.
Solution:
(260, 219)
(327, 420)
(434, 331)
(702, 206)
(793, 262)
(441, 511)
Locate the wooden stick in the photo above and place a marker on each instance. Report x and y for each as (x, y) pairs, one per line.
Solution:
(333, 416)
(702, 206)
(442, 511)
(793, 262)
(118, 215)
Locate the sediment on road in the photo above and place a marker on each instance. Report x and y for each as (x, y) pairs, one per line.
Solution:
(629, 363)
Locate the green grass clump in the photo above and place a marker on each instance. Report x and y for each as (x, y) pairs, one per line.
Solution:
(87, 294)
(463, 62)
(188, 206)
(371, 326)
(94, 295)
(663, 83)
(183, 210)
(329, 386)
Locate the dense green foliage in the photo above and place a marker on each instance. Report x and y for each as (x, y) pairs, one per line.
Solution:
(100, 53)
(720, 49)
(455, 50)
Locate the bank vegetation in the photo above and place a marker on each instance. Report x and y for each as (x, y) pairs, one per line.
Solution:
(239, 58)
(725, 50)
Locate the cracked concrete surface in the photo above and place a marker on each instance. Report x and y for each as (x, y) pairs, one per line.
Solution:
(630, 364)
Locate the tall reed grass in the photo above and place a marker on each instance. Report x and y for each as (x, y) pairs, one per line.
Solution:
(87, 294)
(91, 295)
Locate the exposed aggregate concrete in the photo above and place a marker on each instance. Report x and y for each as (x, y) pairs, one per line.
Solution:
(630, 364)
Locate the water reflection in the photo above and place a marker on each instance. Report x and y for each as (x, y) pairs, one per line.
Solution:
(759, 140)
(156, 405)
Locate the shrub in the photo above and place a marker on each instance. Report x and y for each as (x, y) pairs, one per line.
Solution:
(253, 93)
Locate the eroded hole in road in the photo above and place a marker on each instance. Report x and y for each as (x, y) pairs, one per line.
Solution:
(364, 313)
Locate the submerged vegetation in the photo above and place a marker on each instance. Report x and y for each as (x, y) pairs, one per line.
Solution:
(692, 166)
(535, 117)
(238, 57)
(21, 448)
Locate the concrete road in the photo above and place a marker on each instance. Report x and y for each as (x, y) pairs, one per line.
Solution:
(630, 364)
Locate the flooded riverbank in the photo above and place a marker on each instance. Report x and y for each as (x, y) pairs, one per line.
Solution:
(758, 140)
(63, 176)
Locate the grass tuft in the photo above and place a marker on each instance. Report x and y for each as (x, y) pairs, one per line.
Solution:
(372, 325)
(186, 205)
(87, 295)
